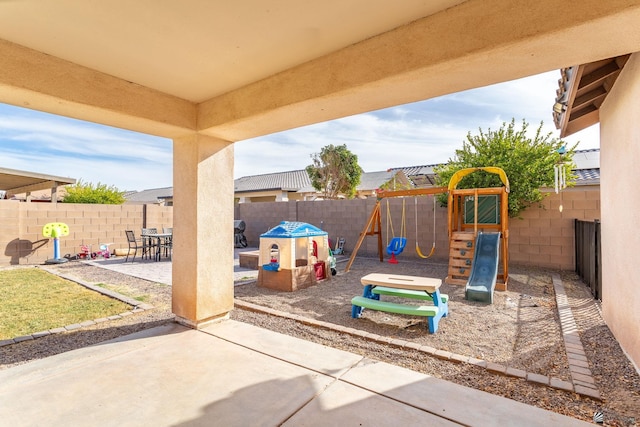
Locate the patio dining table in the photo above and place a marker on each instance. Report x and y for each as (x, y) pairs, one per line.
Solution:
(160, 241)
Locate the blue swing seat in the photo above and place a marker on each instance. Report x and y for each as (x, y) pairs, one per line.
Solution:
(396, 246)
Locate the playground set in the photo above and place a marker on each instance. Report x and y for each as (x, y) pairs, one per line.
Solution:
(294, 255)
(478, 239)
(55, 230)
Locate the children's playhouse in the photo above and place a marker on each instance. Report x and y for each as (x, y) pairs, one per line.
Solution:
(293, 255)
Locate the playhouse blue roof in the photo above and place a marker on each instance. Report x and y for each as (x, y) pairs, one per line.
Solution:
(292, 229)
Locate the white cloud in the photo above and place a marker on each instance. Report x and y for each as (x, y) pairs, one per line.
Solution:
(420, 133)
(60, 146)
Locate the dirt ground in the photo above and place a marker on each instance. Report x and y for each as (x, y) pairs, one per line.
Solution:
(521, 329)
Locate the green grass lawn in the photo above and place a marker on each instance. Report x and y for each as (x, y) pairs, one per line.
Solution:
(33, 300)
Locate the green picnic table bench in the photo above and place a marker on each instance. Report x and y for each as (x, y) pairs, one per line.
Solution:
(413, 287)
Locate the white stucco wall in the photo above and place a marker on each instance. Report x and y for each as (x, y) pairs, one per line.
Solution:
(620, 208)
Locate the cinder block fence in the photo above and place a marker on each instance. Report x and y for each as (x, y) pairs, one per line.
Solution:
(544, 236)
(21, 227)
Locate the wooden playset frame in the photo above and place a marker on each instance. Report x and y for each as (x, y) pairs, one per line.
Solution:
(461, 235)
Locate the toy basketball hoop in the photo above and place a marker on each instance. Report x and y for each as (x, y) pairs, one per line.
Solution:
(55, 230)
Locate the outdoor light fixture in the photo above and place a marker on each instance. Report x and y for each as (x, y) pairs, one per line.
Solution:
(559, 107)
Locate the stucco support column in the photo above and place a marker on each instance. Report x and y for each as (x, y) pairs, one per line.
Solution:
(203, 229)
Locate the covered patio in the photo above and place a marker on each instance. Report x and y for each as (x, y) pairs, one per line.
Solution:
(18, 182)
(233, 374)
(210, 74)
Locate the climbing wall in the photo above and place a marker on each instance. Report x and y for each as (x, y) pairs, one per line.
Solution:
(461, 249)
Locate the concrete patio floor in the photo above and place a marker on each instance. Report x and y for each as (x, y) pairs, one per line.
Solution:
(234, 374)
(160, 271)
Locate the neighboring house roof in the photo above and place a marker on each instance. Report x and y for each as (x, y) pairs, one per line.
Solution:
(154, 195)
(374, 180)
(587, 169)
(587, 159)
(587, 176)
(420, 176)
(371, 181)
(587, 166)
(285, 181)
(300, 182)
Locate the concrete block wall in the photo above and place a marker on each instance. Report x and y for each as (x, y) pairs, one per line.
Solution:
(92, 225)
(158, 217)
(543, 236)
(261, 217)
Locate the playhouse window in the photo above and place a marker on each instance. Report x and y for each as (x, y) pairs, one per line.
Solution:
(275, 253)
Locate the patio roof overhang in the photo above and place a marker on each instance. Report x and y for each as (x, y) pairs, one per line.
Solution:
(17, 182)
(208, 74)
(237, 70)
(582, 90)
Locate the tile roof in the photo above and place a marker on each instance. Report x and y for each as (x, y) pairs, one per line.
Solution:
(587, 159)
(299, 181)
(587, 168)
(374, 180)
(582, 89)
(287, 181)
(419, 175)
(587, 176)
(153, 195)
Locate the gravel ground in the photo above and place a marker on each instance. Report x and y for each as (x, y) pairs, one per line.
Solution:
(520, 330)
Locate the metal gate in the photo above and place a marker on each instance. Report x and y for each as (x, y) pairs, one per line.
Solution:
(588, 255)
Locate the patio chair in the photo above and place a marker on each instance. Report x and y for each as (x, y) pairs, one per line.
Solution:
(148, 244)
(133, 244)
(167, 244)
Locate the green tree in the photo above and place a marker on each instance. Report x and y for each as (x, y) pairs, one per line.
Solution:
(82, 192)
(335, 171)
(528, 162)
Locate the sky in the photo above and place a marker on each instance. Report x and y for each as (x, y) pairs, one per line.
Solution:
(420, 133)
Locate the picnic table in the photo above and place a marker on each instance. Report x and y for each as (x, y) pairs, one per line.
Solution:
(412, 287)
(161, 241)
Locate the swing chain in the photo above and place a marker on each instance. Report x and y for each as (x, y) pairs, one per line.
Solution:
(433, 247)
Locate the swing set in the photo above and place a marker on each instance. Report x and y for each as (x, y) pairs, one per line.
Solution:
(396, 244)
(465, 220)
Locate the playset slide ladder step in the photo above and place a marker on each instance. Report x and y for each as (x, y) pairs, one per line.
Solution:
(461, 251)
(406, 293)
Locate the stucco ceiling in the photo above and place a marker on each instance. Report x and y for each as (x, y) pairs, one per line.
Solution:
(233, 70)
(199, 49)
